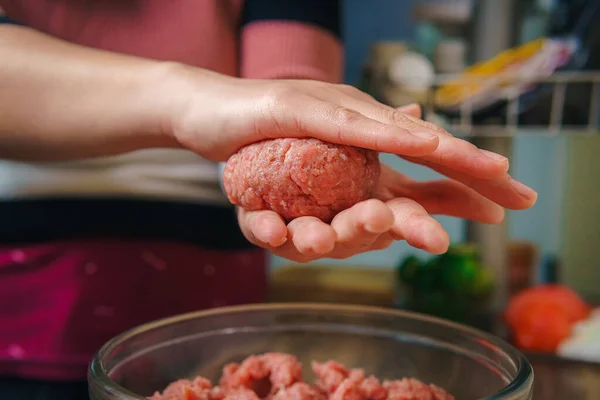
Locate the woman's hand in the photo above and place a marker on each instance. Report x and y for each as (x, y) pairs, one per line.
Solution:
(250, 111)
(51, 91)
(220, 115)
(402, 208)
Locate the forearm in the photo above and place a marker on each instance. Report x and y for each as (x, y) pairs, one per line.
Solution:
(61, 101)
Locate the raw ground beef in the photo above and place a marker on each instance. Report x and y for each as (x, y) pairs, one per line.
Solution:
(278, 376)
(300, 177)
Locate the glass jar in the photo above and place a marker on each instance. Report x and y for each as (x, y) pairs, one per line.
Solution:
(388, 343)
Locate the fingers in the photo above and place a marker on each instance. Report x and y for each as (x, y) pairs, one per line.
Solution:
(308, 239)
(411, 109)
(448, 197)
(441, 197)
(466, 158)
(352, 231)
(358, 227)
(311, 237)
(345, 115)
(344, 125)
(453, 152)
(413, 224)
(392, 117)
(483, 171)
(462, 155)
(367, 226)
(383, 242)
(262, 228)
(315, 110)
(504, 190)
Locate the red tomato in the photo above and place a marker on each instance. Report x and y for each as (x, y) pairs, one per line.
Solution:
(542, 328)
(557, 296)
(572, 303)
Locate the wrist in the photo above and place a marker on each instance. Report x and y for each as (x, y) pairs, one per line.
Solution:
(160, 93)
(195, 105)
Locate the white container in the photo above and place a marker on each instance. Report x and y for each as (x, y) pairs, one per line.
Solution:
(412, 71)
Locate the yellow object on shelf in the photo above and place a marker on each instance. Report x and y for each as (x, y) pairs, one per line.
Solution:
(509, 73)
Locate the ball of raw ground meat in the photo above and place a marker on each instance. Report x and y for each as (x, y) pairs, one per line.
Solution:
(278, 376)
(300, 177)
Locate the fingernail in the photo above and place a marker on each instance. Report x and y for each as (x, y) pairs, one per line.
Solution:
(522, 189)
(424, 135)
(494, 156)
(277, 243)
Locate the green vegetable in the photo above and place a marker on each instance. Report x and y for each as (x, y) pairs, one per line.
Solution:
(448, 286)
(434, 303)
(470, 251)
(409, 269)
(459, 274)
(427, 278)
(484, 282)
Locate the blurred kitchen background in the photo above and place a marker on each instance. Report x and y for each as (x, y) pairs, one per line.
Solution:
(553, 147)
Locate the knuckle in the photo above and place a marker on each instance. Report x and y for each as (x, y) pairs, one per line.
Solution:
(397, 117)
(406, 209)
(433, 127)
(409, 121)
(427, 125)
(345, 115)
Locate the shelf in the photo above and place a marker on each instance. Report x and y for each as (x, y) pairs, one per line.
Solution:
(464, 126)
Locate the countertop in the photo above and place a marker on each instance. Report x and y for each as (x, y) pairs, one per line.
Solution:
(560, 379)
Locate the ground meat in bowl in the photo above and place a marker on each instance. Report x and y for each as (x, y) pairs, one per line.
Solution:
(278, 376)
(300, 177)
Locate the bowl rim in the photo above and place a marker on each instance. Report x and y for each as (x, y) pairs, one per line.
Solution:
(523, 380)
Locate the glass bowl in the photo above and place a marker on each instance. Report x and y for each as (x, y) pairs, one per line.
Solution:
(390, 344)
